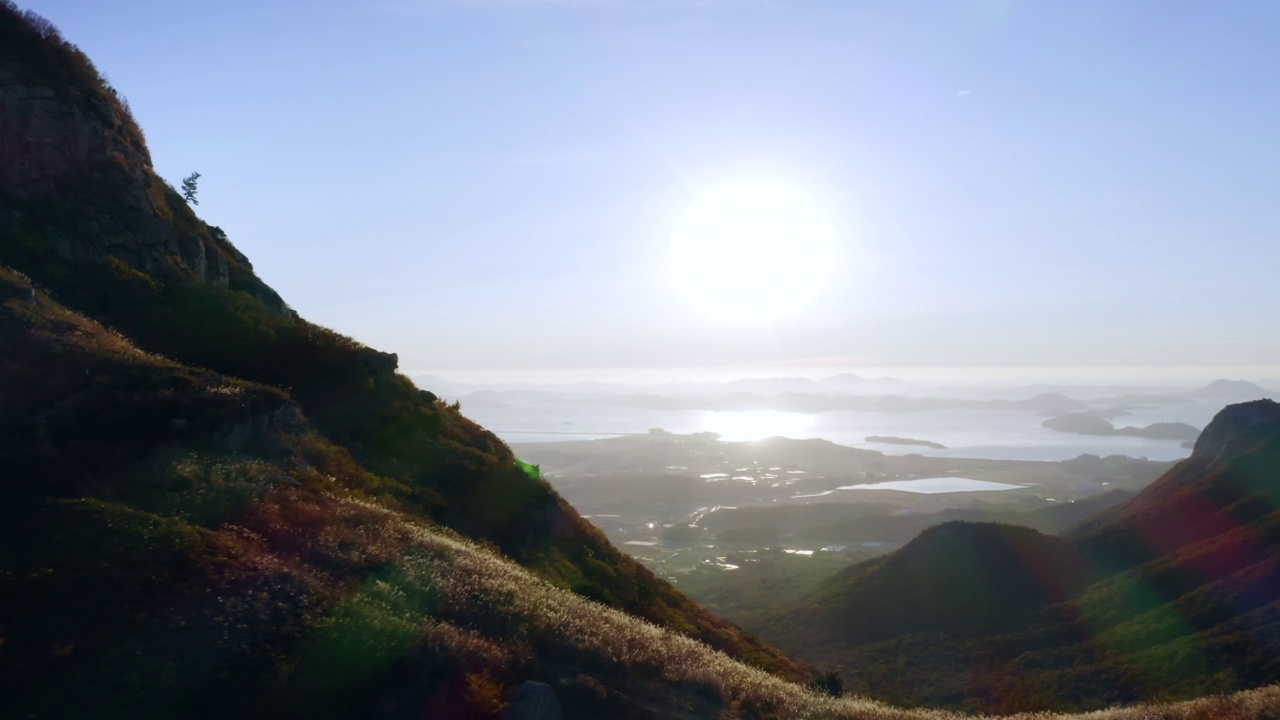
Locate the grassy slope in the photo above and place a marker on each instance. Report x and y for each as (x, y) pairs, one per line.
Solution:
(760, 586)
(241, 559)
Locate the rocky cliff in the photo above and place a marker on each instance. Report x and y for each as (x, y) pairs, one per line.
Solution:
(76, 179)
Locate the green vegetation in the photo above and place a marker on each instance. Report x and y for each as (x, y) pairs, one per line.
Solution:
(829, 683)
(973, 616)
(764, 582)
(210, 507)
(237, 559)
(189, 188)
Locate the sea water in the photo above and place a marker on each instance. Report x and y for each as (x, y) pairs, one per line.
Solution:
(990, 434)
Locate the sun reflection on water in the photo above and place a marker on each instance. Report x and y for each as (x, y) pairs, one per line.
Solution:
(755, 424)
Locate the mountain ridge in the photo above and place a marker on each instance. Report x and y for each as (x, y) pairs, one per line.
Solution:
(210, 364)
(77, 186)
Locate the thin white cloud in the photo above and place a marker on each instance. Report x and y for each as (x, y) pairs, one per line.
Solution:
(962, 93)
(565, 157)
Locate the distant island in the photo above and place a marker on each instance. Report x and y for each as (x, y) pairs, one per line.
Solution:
(890, 440)
(1090, 424)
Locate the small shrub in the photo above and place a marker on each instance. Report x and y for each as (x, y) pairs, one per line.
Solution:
(828, 683)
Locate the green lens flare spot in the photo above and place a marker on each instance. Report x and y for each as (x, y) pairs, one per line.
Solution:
(533, 471)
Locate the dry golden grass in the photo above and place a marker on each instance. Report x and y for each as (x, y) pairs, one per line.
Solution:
(478, 607)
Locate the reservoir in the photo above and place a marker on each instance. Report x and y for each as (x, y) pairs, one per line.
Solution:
(933, 486)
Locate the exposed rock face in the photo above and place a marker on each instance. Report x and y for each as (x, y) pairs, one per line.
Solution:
(245, 432)
(76, 180)
(48, 141)
(532, 701)
(53, 142)
(376, 362)
(1237, 429)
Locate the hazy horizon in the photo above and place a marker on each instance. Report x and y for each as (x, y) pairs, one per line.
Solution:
(1185, 377)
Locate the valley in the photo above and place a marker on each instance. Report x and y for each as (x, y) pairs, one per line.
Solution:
(1140, 576)
(680, 502)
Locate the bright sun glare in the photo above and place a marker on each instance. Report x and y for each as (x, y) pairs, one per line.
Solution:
(752, 251)
(756, 424)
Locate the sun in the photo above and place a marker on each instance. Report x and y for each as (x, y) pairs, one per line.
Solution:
(752, 251)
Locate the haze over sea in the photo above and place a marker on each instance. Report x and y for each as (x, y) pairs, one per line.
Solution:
(551, 406)
(991, 434)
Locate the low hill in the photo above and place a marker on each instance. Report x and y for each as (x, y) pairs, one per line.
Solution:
(958, 578)
(1173, 593)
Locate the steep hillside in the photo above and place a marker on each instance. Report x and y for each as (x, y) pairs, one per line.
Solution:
(212, 352)
(1174, 593)
(179, 543)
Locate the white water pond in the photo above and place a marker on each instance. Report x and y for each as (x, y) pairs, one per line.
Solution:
(931, 486)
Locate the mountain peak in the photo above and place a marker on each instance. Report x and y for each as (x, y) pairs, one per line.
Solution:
(1236, 429)
(77, 186)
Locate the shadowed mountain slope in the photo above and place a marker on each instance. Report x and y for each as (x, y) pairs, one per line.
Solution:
(175, 542)
(204, 360)
(959, 578)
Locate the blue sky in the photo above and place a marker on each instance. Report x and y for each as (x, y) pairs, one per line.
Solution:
(493, 184)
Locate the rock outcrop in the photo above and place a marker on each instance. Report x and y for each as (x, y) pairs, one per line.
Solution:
(375, 362)
(531, 700)
(76, 178)
(53, 143)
